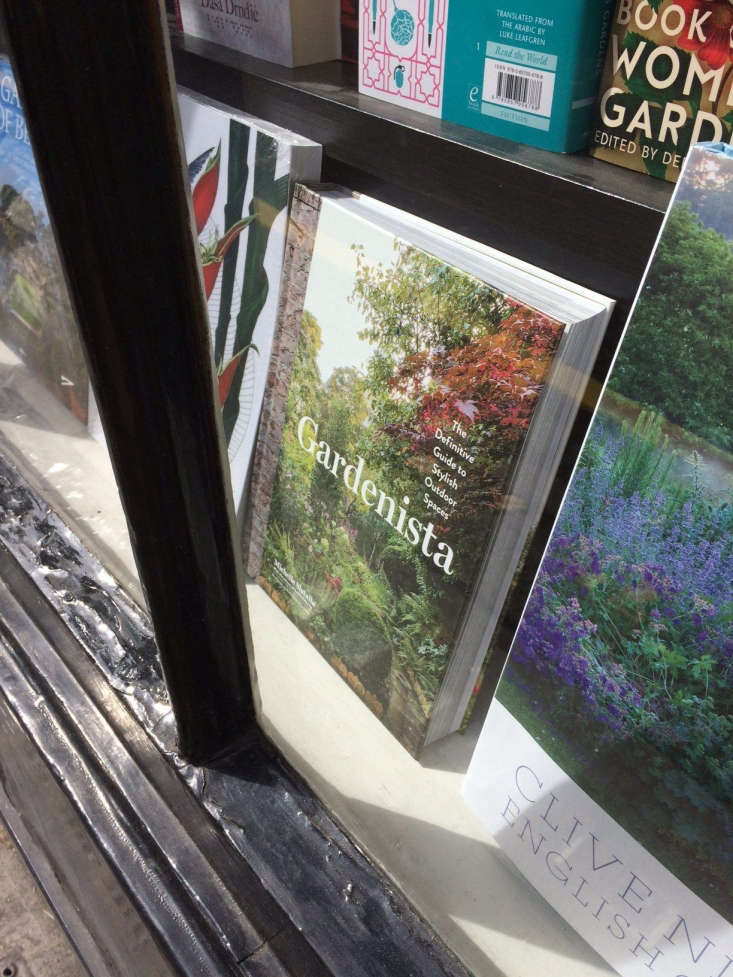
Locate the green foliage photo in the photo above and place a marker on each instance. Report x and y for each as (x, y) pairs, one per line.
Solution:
(440, 348)
(678, 356)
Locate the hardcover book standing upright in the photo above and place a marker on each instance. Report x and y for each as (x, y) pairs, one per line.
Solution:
(416, 409)
(402, 52)
(527, 72)
(604, 766)
(242, 172)
(667, 84)
(289, 32)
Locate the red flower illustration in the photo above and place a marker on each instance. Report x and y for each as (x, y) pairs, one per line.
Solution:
(203, 174)
(213, 255)
(710, 23)
(225, 375)
(205, 171)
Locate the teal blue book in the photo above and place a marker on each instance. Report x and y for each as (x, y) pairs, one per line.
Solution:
(528, 72)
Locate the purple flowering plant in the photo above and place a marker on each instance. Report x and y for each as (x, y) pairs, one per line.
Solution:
(625, 645)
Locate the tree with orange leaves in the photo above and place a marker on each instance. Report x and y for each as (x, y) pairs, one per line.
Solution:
(452, 357)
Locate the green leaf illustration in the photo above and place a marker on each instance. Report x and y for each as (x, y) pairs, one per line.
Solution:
(237, 175)
(269, 198)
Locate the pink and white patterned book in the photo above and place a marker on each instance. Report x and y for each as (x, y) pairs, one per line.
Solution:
(402, 52)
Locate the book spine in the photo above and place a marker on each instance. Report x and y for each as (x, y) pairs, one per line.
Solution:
(589, 62)
(296, 269)
(173, 14)
(349, 31)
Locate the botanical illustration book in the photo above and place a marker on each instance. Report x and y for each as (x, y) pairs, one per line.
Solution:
(528, 72)
(242, 172)
(289, 32)
(605, 765)
(419, 396)
(667, 84)
(36, 319)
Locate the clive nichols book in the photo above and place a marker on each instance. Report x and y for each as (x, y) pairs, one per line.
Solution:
(528, 71)
(604, 768)
(241, 172)
(415, 410)
(667, 84)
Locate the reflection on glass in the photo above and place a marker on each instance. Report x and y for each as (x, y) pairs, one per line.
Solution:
(49, 427)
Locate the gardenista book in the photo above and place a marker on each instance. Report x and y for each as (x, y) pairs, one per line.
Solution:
(242, 172)
(604, 766)
(420, 394)
(667, 84)
(288, 32)
(528, 71)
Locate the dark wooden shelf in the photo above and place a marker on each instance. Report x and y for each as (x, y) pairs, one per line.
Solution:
(335, 84)
(587, 220)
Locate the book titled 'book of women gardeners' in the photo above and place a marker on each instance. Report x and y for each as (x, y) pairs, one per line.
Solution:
(419, 394)
(604, 767)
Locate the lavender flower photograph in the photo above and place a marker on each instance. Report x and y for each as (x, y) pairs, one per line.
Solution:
(623, 665)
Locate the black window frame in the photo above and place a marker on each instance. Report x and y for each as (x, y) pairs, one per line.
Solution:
(97, 88)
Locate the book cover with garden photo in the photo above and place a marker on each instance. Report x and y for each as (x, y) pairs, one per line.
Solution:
(413, 388)
(605, 767)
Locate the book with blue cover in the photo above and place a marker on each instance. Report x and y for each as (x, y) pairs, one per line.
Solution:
(528, 72)
(36, 320)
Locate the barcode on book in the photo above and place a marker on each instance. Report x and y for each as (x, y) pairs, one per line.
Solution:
(517, 87)
(522, 91)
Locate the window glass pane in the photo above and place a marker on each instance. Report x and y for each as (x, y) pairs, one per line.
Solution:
(403, 458)
(49, 426)
(354, 609)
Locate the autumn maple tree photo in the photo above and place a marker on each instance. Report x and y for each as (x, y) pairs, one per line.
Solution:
(438, 409)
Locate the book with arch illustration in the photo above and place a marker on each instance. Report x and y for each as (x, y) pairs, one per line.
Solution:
(419, 396)
(603, 769)
(242, 172)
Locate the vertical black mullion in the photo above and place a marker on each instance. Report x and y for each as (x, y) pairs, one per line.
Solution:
(96, 86)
